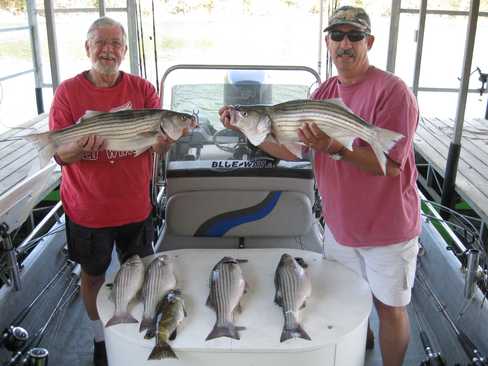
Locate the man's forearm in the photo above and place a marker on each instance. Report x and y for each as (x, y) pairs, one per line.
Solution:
(277, 150)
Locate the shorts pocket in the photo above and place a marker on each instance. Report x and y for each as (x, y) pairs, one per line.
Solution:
(409, 259)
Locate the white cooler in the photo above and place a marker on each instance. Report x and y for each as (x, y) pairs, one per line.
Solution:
(335, 317)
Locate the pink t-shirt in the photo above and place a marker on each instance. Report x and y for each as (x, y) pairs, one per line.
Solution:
(362, 209)
(105, 188)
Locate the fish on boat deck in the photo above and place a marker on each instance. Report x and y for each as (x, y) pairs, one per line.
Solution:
(227, 285)
(293, 287)
(280, 123)
(127, 284)
(169, 315)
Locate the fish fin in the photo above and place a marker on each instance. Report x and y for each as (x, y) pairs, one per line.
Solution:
(209, 302)
(297, 332)
(227, 330)
(146, 323)
(301, 262)
(239, 308)
(121, 319)
(303, 305)
(278, 298)
(89, 113)
(295, 148)
(161, 351)
(242, 260)
(45, 147)
(140, 151)
(385, 140)
(339, 102)
(150, 333)
(173, 335)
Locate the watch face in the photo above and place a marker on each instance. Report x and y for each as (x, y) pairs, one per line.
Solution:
(336, 157)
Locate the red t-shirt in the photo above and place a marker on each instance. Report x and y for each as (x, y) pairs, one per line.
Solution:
(362, 209)
(105, 188)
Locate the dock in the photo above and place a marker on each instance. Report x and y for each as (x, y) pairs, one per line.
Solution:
(432, 141)
(20, 180)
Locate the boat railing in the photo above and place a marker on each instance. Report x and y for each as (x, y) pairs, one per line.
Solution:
(10, 273)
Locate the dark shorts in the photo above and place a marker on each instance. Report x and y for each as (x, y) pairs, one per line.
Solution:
(92, 248)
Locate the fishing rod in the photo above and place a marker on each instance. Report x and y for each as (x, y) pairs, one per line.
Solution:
(142, 41)
(23, 356)
(432, 358)
(14, 337)
(475, 356)
(155, 48)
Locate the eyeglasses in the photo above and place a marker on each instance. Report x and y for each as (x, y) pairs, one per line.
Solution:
(353, 36)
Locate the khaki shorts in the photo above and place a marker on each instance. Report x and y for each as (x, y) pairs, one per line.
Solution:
(389, 270)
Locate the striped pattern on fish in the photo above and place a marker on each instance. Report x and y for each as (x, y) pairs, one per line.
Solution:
(282, 121)
(127, 284)
(159, 279)
(227, 286)
(126, 130)
(293, 287)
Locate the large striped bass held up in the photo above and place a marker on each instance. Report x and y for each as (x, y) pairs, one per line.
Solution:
(159, 279)
(282, 121)
(126, 130)
(227, 286)
(293, 287)
(127, 284)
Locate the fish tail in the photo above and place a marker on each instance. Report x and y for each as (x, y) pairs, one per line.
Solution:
(146, 323)
(161, 351)
(120, 319)
(295, 332)
(44, 146)
(384, 141)
(226, 330)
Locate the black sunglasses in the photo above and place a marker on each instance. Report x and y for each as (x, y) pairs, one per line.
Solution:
(353, 36)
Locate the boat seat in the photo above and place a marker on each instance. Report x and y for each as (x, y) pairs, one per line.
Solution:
(239, 213)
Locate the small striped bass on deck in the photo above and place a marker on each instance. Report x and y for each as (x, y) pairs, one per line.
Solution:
(127, 284)
(159, 279)
(332, 116)
(293, 287)
(227, 286)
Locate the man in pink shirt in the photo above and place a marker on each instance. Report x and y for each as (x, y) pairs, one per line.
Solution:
(105, 193)
(372, 221)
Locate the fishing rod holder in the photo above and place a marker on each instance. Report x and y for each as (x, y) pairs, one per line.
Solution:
(7, 246)
(14, 338)
(37, 357)
(472, 272)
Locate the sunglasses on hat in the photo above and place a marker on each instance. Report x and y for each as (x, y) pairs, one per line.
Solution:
(353, 36)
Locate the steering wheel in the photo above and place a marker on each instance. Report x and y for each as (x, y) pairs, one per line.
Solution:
(228, 140)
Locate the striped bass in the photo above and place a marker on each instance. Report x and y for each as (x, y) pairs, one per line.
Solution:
(293, 287)
(126, 130)
(128, 281)
(158, 281)
(227, 286)
(332, 116)
(170, 313)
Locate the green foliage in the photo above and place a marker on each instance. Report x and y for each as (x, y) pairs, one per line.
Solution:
(172, 43)
(13, 5)
(16, 49)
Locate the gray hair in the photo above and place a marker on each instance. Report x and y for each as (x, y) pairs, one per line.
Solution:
(105, 22)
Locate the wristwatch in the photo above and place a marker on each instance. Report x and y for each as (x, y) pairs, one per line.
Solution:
(339, 155)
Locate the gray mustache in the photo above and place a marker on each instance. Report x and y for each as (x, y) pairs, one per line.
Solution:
(341, 52)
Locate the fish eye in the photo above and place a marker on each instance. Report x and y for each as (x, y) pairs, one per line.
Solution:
(244, 114)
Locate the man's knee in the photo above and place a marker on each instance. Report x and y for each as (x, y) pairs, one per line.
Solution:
(90, 281)
(388, 311)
